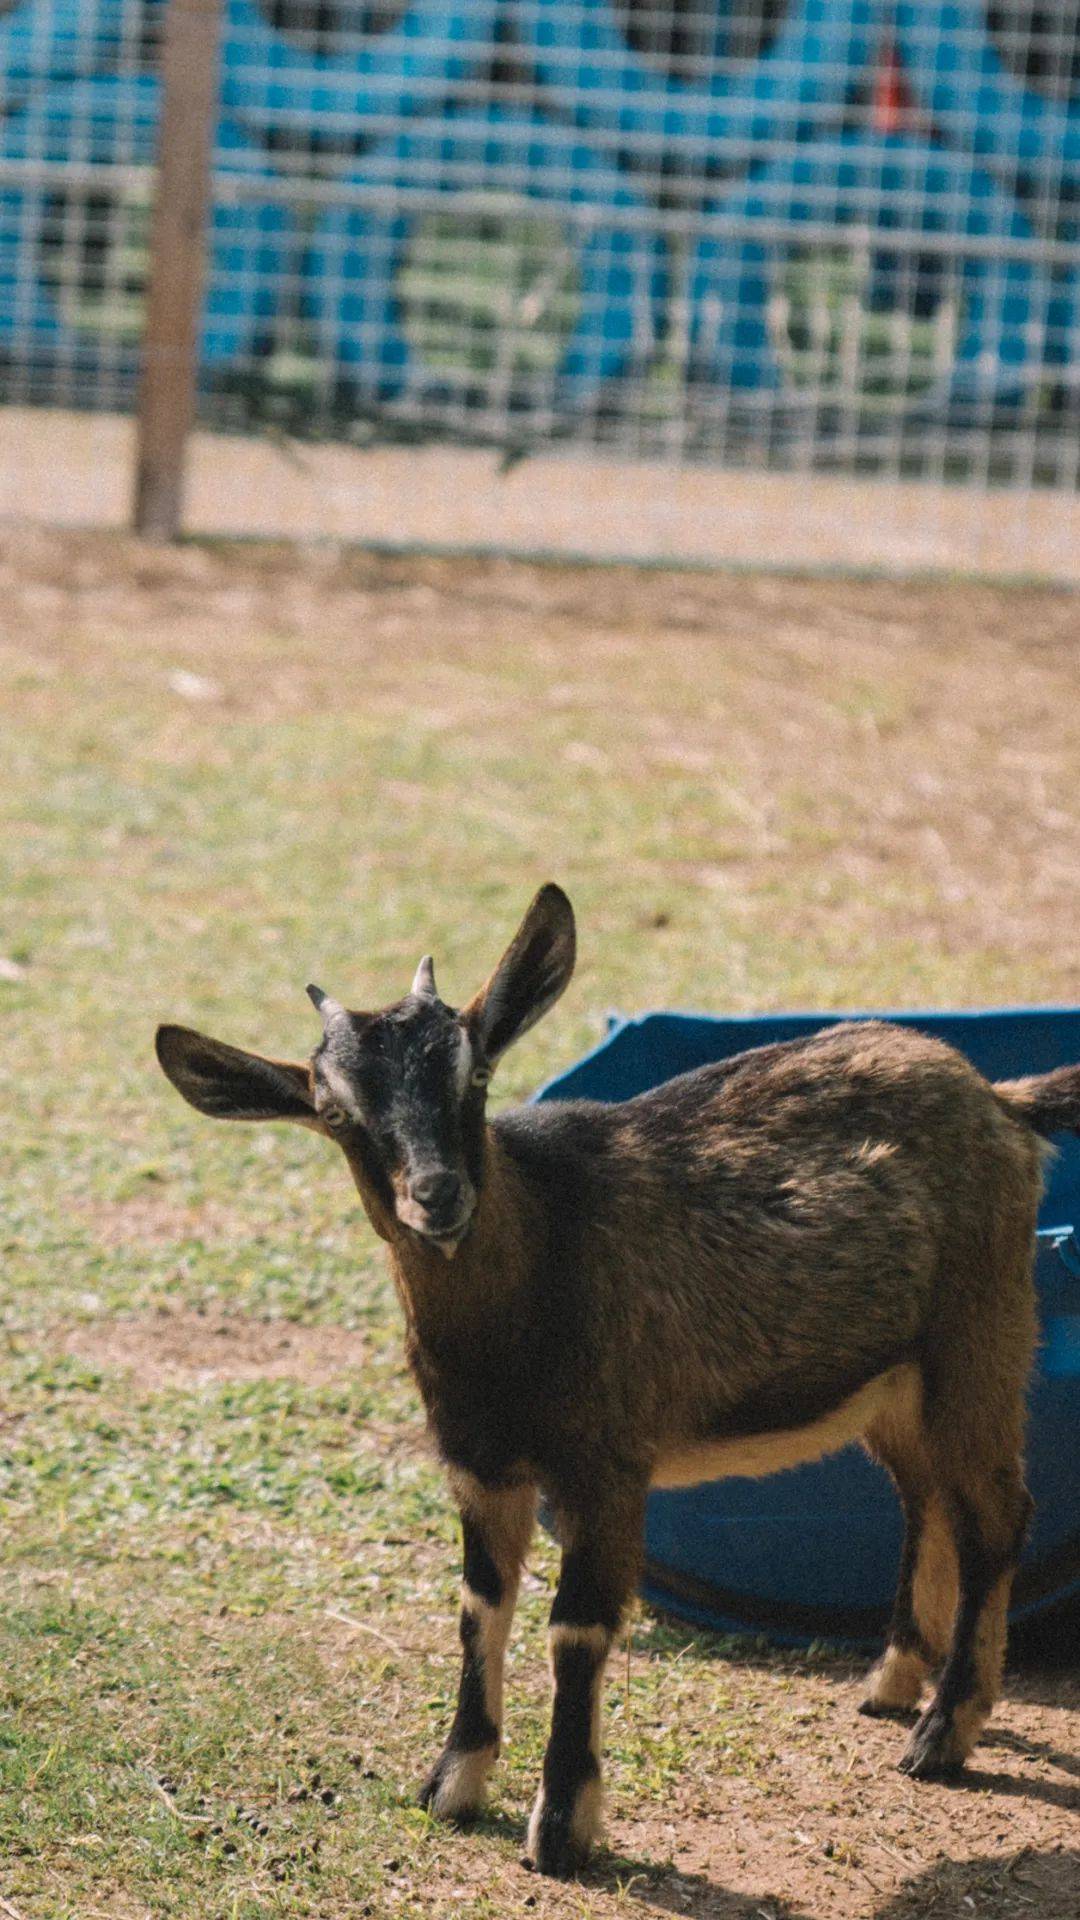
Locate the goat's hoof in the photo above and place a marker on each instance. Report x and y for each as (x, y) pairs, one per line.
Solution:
(552, 1846)
(887, 1710)
(560, 1837)
(894, 1686)
(933, 1752)
(454, 1789)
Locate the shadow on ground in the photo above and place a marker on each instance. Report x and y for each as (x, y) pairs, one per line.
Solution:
(1042, 1655)
(1038, 1885)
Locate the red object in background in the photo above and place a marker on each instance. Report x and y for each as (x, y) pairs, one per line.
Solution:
(892, 104)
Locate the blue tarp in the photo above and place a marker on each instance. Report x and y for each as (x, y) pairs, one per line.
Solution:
(813, 1552)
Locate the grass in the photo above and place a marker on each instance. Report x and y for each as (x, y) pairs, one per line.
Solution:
(228, 1563)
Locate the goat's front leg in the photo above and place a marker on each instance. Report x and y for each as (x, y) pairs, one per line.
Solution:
(496, 1526)
(601, 1559)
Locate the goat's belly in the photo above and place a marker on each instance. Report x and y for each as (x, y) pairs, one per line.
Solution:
(889, 1397)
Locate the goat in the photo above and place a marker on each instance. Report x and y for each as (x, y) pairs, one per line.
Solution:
(814, 1242)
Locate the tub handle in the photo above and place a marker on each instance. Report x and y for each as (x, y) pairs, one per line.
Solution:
(1066, 1246)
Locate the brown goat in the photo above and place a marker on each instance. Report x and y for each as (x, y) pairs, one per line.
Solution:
(744, 1268)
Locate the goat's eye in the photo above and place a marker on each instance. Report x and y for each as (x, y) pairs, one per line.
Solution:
(335, 1117)
(480, 1076)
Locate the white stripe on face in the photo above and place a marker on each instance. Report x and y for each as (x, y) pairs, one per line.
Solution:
(463, 1065)
(337, 1085)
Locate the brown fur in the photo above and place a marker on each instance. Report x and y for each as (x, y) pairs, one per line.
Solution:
(746, 1266)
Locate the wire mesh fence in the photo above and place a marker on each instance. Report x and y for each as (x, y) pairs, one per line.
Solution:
(797, 234)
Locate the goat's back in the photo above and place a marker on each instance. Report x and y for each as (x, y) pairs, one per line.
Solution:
(756, 1239)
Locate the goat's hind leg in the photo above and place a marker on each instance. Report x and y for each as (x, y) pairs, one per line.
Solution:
(895, 1685)
(989, 1532)
(496, 1526)
(974, 1436)
(922, 1616)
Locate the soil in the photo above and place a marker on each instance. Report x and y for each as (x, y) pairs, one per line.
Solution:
(845, 1836)
(177, 1349)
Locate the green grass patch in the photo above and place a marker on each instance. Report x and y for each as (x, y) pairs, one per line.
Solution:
(228, 1562)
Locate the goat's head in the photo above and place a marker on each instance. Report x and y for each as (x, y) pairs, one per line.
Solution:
(403, 1090)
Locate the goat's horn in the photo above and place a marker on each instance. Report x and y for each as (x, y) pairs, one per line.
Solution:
(424, 980)
(328, 1009)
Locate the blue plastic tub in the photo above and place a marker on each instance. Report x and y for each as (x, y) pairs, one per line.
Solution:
(813, 1553)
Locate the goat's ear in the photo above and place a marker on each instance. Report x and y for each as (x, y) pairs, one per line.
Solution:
(529, 978)
(231, 1085)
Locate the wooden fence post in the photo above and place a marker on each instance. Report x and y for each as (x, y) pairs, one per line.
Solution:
(170, 348)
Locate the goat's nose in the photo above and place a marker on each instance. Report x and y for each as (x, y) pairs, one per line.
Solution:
(438, 1192)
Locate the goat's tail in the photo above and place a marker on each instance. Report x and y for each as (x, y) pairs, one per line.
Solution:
(1048, 1102)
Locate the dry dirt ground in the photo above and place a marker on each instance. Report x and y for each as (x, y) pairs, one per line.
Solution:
(225, 762)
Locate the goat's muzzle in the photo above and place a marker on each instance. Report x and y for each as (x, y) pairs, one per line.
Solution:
(438, 1206)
